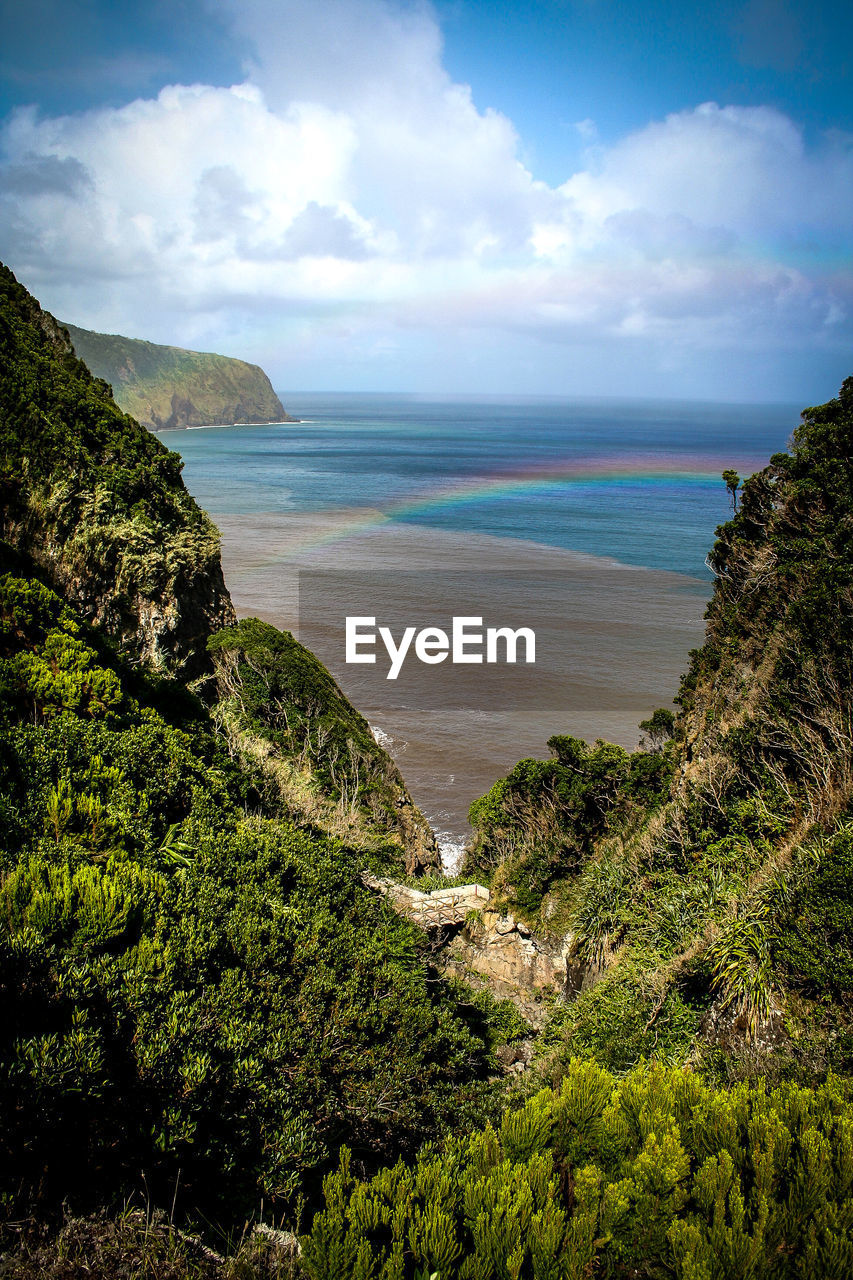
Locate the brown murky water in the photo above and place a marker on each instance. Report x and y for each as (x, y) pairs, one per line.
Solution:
(612, 641)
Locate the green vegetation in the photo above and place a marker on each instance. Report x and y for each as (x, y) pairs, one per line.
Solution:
(167, 387)
(190, 982)
(654, 1174)
(732, 483)
(205, 1012)
(278, 704)
(706, 882)
(197, 994)
(814, 935)
(539, 824)
(78, 474)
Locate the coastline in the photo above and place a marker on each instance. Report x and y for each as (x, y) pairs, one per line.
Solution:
(627, 642)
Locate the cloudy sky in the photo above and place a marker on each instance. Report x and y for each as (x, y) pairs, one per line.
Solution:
(573, 197)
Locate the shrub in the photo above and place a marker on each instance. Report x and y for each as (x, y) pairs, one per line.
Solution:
(654, 1174)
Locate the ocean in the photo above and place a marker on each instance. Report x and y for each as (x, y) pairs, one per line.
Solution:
(589, 519)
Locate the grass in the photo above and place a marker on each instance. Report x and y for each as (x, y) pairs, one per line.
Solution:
(137, 1245)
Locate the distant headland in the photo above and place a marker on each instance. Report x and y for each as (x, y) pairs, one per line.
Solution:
(167, 388)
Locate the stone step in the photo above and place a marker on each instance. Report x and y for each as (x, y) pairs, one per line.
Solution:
(439, 906)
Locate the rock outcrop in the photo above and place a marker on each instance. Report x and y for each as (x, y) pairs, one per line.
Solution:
(515, 964)
(480, 941)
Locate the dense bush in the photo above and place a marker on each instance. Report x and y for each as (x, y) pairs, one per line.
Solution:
(191, 988)
(540, 822)
(815, 934)
(651, 1175)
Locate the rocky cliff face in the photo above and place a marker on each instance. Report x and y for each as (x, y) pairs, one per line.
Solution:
(98, 503)
(513, 962)
(166, 388)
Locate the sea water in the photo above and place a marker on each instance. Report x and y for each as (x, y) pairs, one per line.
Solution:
(498, 487)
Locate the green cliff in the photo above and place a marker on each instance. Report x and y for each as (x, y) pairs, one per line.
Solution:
(195, 987)
(704, 886)
(167, 387)
(97, 502)
(209, 1025)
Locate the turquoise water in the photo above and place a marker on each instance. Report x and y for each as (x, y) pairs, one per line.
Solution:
(638, 482)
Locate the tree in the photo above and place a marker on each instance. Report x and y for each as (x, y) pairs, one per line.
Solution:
(658, 727)
(732, 480)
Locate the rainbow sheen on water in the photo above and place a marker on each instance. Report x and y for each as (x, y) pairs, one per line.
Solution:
(382, 484)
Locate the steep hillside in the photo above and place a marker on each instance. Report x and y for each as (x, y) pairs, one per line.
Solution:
(207, 1020)
(705, 885)
(98, 502)
(167, 387)
(99, 507)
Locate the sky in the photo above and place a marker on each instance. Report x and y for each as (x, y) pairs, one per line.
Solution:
(571, 198)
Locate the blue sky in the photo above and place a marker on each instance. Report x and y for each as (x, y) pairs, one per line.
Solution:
(579, 197)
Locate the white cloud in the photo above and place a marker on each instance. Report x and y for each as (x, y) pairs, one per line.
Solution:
(746, 168)
(350, 197)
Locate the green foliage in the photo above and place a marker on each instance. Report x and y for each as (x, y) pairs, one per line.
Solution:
(278, 689)
(187, 981)
(741, 964)
(169, 387)
(64, 673)
(77, 474)
(497, 1022)
(650, 1175)
(814, 940)
(540, 822)
(731, 480)
(658, 727)
(630, 1013)
(600, 913)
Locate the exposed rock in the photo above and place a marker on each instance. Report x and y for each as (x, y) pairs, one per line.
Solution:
(167, 632)
(516, 1057)
(582, 975)
(422, 853)
(728, 1026)
(500, 949)
(284, 1242)
(517, 965)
